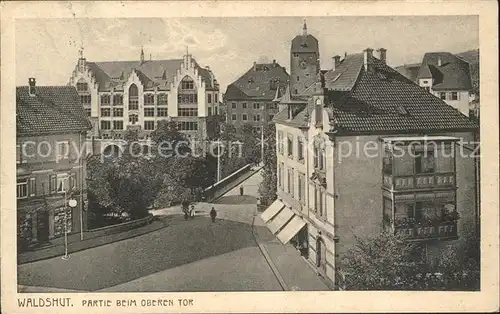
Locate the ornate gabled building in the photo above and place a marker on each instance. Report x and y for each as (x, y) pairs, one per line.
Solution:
(368, 150)
(118, 95)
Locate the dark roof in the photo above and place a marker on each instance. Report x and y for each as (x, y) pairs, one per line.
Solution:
(410, 71)
(383, 100)
(453, 74)
(301, 120)
(345, 75)
(54, 109)
(307, 43)
(152, 73)
(257, 83)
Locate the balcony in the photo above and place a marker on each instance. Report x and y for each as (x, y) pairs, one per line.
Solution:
(422, 233)
(419, 181)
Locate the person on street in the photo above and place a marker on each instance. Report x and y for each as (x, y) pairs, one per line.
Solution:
(191, 212)
(213, 214)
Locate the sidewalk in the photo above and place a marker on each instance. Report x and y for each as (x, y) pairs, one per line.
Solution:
(292, 270)
(75, 245)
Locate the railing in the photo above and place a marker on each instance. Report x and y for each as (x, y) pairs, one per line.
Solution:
(448, 230)
(419, 181)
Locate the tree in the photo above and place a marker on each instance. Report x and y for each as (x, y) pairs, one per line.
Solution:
(268, 186)
(231, 158)
(390, 262)
(251, 148)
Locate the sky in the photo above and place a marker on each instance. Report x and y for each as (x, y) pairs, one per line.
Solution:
(47, 49)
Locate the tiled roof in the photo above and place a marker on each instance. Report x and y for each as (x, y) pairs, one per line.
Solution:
(453, 74)
(385, 101)
(345, 75)
(301, 120)
(257, 83)
(54, 109)
(151, 73)
(307, 43)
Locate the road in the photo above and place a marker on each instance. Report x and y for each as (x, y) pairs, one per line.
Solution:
(193, 255)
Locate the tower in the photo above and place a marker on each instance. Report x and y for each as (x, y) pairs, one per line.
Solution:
(142, 55)
(304, 62)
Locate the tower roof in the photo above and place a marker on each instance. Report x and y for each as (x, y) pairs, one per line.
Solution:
(304, 42)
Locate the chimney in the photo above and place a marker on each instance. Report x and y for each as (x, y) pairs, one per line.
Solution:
(383, 55)
(439, 61)
(274, 63)
(367, 60)
(32, 83)
(336, 62)
(150, 57)
(255, 66)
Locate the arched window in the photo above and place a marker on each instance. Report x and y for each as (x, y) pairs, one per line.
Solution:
(82, 86)
(187, 92)
(133, 97)
(133, 118)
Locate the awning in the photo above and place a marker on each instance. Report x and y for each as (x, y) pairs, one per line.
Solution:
(395, 139)
(291, 229)
(272, 210)
(280, 220)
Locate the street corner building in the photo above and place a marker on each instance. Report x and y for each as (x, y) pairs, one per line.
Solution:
(51, 169)
(420, 180)
(122, 95)
(249, 99)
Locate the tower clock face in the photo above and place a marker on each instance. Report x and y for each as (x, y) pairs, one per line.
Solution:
(303, 63)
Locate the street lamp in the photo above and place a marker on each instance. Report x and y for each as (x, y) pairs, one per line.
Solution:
(72, 204)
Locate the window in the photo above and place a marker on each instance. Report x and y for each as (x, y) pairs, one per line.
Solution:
(387, 211)
(105, 125)
(117, 112)
(209, 111)
(302, 187)
(280, 142)
(82, 86)
(117, 125)
(162, 112)
(149, 112)
(52, 183)
(454, 96)
(187, 98)
(209, 98)
(243, 105)
(271, 116)
(117, 100)
(256, 105)
(289, 181)
(85, 99)
(22, 188)
(188, 126)
(442, 96)
(244, 117)
(216, 96)
(298, 78)
(280, 174)
(162, 99)
(300, 148)
(187, 112)
(318, 201)
(321, 159)
(233, 117)
(133, 118)
(149, 125)
(187, 83)
(292, 182)
(424, 162)
(387, 163)
(62, 182)
(133, 97)
(62, 150)
(105, 100)
(295, 91)
(256, 117)
(72, 180)
(88, 111)
(290, 146)
(105, 112)
(427, 89)
(149, 100)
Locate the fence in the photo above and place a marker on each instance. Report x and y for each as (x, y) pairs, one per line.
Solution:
(223, 186)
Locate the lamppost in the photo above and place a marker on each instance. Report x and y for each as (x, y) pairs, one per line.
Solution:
(72, 204)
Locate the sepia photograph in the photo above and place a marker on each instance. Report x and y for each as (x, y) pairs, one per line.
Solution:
(221, 154)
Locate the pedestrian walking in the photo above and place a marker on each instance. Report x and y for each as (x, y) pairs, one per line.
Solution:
(191, 212)
(213, 214)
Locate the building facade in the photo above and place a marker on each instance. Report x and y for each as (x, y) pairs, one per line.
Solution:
(118, 95)
(444, 75)
(369, 151)
(51, 168)
(249, 100)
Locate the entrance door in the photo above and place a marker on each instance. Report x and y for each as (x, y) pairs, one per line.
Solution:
(42, 223)
(321, 255)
